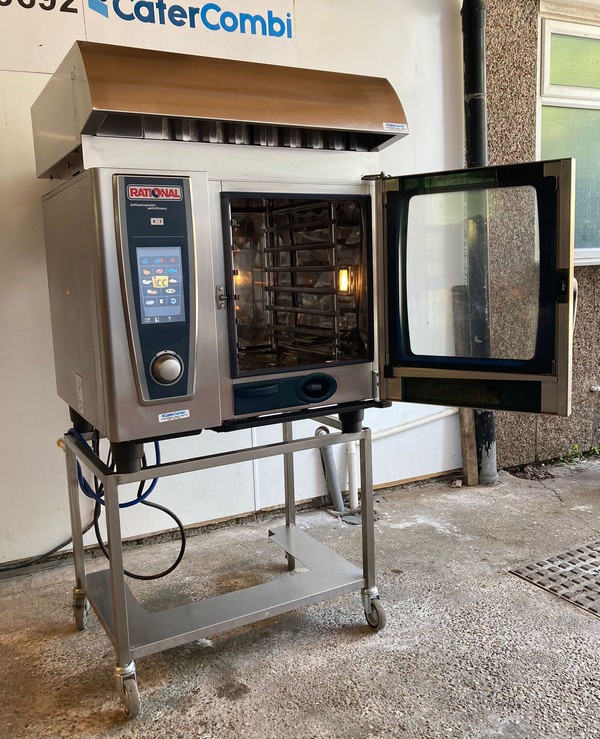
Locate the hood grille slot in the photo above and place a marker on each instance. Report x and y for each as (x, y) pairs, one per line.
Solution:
(242, 134)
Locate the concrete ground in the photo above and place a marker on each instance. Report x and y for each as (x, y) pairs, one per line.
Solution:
(469, 650)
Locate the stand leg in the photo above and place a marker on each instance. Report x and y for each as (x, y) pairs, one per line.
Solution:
(368, 522)
(290, 494)
(374, 611)
(80, 602)
(117, 577)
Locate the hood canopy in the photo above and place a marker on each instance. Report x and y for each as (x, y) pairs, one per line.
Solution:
(106, 90)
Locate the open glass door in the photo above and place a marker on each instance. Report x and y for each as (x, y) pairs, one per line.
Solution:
(477, 274)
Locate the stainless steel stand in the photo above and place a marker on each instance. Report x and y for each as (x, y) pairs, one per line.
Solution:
(136, 633)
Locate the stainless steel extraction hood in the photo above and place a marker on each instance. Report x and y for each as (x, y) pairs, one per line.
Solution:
(104, 90)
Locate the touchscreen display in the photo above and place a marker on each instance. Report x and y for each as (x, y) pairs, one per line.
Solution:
(160, 281)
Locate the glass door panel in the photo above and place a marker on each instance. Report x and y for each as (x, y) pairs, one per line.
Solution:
(477, 283)
(473, 274)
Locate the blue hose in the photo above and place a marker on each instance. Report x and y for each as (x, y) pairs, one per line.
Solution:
(99, 495)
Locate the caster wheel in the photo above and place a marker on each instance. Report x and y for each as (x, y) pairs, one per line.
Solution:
(131, 697)
(376, 619)
(81, 611)
(127, 688)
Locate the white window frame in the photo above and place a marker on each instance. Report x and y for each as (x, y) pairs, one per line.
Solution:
(564, 95)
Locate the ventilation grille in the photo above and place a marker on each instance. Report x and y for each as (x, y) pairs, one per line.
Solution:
(247, 134)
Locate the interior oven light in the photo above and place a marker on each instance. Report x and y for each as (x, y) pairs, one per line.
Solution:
(345, 280)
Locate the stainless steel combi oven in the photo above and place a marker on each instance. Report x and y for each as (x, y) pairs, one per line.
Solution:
(215, 254)
(220, 256)
(288, 324)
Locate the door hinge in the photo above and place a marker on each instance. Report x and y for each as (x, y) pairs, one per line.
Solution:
(375, 385)
(221, 297)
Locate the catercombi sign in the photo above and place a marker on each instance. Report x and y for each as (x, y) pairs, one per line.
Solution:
(35, 34)
(211, 16)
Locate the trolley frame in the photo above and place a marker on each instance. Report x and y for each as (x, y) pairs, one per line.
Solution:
(136, 633)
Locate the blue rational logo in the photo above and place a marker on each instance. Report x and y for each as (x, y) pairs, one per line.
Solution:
(210, 16)
(99, 6)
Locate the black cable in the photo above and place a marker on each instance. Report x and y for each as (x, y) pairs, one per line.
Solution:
(42, 557)
(104, 550)
(94, 523)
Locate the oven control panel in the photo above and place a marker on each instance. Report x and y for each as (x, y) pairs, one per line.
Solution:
(157, 251)
(284, 392)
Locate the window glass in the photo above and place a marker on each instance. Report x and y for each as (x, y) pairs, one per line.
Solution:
(575, 132)
(574, 61)
(570, 121)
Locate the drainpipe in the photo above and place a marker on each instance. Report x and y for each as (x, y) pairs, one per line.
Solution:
(352, 449)
(473, 28)
(330, 471)
(353, 464)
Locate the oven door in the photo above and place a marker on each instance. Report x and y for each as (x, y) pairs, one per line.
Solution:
(477, 298)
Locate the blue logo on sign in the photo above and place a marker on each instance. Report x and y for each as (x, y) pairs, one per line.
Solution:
(209, 15)
(99, 6)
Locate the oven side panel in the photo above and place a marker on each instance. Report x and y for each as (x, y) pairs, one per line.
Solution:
(71, 240)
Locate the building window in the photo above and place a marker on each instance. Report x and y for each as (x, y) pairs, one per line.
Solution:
(570, 120)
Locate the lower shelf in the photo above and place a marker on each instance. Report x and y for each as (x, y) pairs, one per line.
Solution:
(328, 575)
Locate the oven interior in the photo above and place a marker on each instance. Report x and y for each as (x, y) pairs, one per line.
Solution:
(299, 281)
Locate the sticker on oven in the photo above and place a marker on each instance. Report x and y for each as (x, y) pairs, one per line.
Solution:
(397, 127)
(173, 416)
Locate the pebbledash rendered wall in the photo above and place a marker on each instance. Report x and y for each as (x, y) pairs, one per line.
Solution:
(512, 69)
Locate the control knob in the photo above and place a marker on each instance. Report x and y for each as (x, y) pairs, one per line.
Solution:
(166, 368)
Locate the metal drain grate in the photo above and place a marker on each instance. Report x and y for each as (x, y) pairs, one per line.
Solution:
(573, 576)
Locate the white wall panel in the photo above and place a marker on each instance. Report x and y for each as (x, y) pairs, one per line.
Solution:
(415, 43)
(36, 40)
(309, 481)
(416, 452)
(200, 39)
(407, 454)
(32, 488)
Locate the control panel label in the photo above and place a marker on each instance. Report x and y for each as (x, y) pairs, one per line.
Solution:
(158, 255)
(173, 416)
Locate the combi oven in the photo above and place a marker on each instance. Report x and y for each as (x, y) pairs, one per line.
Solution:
(219, 253)
(219, 256)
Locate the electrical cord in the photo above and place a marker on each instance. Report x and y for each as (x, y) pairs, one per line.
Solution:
(97, 494)
(41, 557)
(135, 575)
